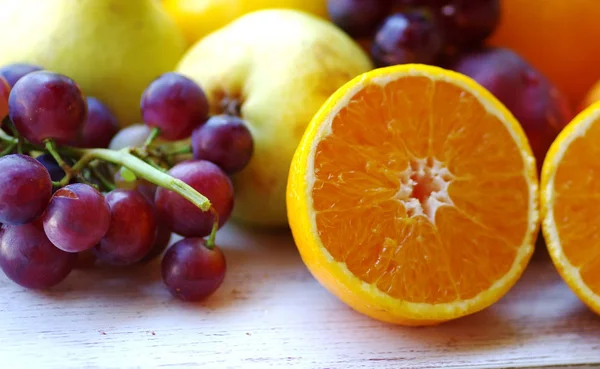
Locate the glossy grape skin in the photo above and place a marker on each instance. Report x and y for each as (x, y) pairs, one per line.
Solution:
(358, 18)
(132, 229)
(45, 105)
(175, 104)
(147, 189)
(100, 126)
(467, 23)
(224, 140)
(56, 172)
(542, 110)
(4, 93)
(14, 72)
(77, 218)
(191, 271)
(29, 259)
(25, 189)
(411, 37)
(183, 217)
(132, 136)
(161, 242)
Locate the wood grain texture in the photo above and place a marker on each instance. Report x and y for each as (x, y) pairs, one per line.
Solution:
(270, 313)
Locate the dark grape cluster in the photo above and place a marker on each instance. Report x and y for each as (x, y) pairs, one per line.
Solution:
(65, 195)
(416, 31)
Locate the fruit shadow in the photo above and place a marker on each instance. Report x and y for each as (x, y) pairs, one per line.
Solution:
(538, 308)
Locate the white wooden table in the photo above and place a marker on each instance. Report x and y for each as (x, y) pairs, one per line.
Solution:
(270, 313)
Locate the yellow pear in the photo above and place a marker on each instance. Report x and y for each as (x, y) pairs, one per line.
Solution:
(274, 68)
(112, 48)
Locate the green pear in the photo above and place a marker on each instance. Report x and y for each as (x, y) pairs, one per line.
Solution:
(112, 48)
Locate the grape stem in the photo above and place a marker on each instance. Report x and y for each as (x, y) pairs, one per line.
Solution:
(154, 133)
(143, 170)
(51, 147)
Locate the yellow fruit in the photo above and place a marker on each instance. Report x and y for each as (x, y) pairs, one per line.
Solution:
(112, 48)
(413, 196)
(198, 18)
(276, 68)
(570, 201)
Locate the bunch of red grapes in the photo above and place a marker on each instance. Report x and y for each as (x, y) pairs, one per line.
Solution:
(62, 197)
(416, 31)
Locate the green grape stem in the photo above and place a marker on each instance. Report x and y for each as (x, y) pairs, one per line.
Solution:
(125, 158)
(143, 170)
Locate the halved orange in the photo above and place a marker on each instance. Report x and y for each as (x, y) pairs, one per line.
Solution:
(571, 205)
(413, 196)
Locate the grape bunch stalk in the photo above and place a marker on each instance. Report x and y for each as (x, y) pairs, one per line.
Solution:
(74, 186)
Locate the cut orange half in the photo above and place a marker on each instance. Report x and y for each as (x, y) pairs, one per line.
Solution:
(571, 205)
(413, 196)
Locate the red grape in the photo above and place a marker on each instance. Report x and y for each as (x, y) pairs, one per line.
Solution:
(538, 105)
(224, 140)
(25, 189)
(358, 18)
(163, 237)
(77, 218)
(100, 126)
(14, 72)
(132, 229)
(132, 136)
(147, 189)
(29, 259)
(4, 93)
(45, 105)
(175, 104)
(182, 216)
(411, 37)
(192, 271)
(467, 23)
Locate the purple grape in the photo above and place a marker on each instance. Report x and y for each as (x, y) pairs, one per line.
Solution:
(99, 128)
(77, 218)
(224, 140)
(163, 237)
(467, 23)
(183, 217)
(358, 18)
(29, 259)
(56, 172)
(14, 72)
(538, 105)
(132, 229)
(45, 105)
(4, 93)
(175, 104)
(147, 189)
(411, 37)
(192, 271)
(25, 189)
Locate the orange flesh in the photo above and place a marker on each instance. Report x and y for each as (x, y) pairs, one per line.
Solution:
(377, 143)
(576, 205)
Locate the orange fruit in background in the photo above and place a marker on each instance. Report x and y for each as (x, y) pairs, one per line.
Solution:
(413, 196)
(591, 97)
(570, 201)
(558, 37)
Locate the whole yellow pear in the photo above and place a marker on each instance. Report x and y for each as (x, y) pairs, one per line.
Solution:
(198, 18)
(112, 48)
(274, 68)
